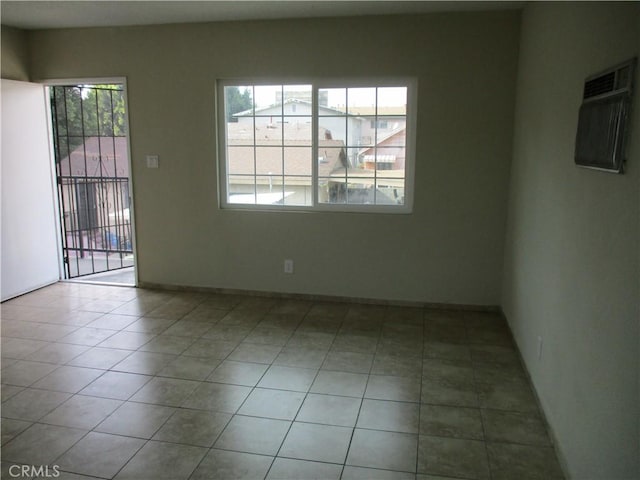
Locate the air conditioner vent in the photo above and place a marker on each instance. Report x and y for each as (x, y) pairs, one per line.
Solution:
(600, 85)
(610, 82)
(624, 77)
(603, 118)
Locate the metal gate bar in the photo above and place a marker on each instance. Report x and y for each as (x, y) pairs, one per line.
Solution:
(92, 176)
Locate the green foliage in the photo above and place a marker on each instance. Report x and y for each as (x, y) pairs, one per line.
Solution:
(236, 102)
(86, 111)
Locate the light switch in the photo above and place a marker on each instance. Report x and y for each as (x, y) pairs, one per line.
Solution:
(152, 161)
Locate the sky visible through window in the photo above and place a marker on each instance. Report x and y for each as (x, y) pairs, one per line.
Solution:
(265, 95)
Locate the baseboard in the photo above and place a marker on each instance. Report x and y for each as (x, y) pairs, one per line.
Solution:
(320, 298)
(552, 434)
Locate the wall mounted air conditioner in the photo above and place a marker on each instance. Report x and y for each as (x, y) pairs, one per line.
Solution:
(604, 117)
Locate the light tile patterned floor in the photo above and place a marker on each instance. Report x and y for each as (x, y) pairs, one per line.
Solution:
(115, 382)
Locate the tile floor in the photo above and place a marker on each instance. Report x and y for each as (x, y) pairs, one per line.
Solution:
(115, 382)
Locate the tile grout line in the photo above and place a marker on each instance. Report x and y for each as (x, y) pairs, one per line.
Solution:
(284, 438)
(165, 422)
(420, 399)
(475, 387)
(58, 366)
(353, 431)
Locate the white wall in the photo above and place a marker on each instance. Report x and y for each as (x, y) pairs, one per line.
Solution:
(29, 241)
(448, 250)
(571, 256)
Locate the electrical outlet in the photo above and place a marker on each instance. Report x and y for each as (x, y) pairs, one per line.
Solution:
(288, 266)
(152, 161)
(539, 348)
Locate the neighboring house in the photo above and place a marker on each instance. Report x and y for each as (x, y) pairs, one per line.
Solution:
(389, 120)
(291, 107)
(280, 164)
(389, 154)
(304, 94)
(273, 157)
(279, 167)
(94, 186)
(336, 123)
(97, 157)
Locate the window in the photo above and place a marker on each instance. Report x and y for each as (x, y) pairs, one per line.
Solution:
(305, 146)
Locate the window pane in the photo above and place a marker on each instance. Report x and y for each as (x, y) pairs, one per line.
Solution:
(297, 99)
(360, 191)
(362, 175)
(351, 157)
(392, 101)
(297, 190)
(390, 191)
(240, 160)
(358, 168)
(390, 158)
(362, 101)
(269, 190)
(238, 102)
(391, 131)
(297, 131)
(331, 161)
(269, 160)
(332, 101)
(332, 128)
(332, 190)
(268, 130)
(383, 159)
(362, 131)
(240, 133)
(297, 161)
(241, 189)
(268, 96)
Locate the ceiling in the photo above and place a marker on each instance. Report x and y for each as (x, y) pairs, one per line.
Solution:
(74, 14)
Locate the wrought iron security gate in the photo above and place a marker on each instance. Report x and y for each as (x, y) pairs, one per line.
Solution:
(92, 170)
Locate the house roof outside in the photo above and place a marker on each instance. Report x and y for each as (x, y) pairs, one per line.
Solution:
(293, 159)
(271, 155)
(97, 157)
(393, 111)
(264, 110)
(388, 140)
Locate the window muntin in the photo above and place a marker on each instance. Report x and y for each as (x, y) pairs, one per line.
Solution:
(363, 160)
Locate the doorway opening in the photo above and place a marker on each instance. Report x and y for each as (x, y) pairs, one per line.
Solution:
(91, 151)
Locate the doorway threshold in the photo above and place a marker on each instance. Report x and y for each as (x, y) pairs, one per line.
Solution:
(121, 277)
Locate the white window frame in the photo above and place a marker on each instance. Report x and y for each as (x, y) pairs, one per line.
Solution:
(317, 84)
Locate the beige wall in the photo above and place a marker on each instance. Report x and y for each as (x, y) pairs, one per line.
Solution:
(449, 250)
(15, 56)
(571, 262)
